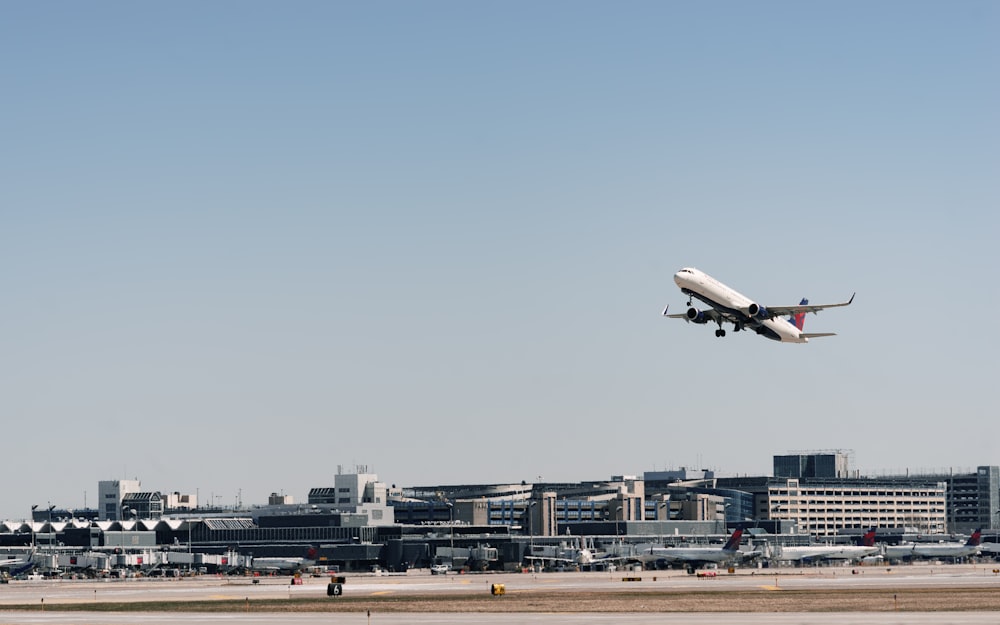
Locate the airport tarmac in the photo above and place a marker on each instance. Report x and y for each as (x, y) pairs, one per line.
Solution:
(324, 618)
(209, 588)
(974, 580)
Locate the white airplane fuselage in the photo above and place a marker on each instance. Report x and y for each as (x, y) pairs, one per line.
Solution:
(931, 550)
(829, 552)
(699, 554)
(280, 565)
(719, 296)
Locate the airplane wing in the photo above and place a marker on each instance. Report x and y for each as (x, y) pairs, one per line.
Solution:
(545, 559)
(710, 314)
(781, 311)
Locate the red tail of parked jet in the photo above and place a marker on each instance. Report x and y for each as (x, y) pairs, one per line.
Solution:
(733, 544)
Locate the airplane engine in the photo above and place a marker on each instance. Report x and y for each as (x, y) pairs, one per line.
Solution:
(696, 316)
(756, 311)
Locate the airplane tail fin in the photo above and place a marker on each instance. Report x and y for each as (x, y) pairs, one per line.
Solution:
(868, 540)
(733, 544)
(974, 540)
(798, 320)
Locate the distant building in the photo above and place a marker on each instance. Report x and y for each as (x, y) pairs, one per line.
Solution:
(536, 509)
(110, 494)
(826, 507)
(973, 499)
(820, 464)
(359, 494)
(280, 500)
(144, 505)
(682, 474)
(176, 501)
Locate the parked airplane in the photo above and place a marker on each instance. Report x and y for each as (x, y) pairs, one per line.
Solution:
(696, 557)
(14, 566)
(970, 547)
(573, 555)
(11, 561)
(830, 552)
(284, 565)
(729, 306)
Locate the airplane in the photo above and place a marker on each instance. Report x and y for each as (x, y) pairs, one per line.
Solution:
(14, 561)
(729, 306)
(14, 566)
(578, 555)
(830, 552)
(284, 565)
(970, 547)
(695, 557)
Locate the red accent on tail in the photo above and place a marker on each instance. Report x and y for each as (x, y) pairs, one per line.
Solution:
(975, 539)
(734, 541)
(868, 540)
(800, 320)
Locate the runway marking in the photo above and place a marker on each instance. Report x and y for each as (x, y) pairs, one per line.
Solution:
(770, 588)
(381, 592)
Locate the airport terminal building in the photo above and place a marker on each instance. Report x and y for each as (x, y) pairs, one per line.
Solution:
(359, 522)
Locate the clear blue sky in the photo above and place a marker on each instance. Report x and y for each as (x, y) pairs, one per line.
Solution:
(244, 242)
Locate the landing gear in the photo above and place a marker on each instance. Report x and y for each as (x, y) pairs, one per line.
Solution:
(720, 333)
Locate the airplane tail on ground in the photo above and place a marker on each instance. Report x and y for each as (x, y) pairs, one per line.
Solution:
(975, 539)
(799, 320)
(868, 540)
(733, 544)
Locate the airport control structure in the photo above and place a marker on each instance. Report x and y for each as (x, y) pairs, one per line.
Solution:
(360, 523)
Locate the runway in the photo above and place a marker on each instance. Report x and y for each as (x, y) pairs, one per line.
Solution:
(53, 594)
(208, 588)
(787, 618)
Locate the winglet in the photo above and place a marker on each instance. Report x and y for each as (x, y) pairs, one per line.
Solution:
(665, 310)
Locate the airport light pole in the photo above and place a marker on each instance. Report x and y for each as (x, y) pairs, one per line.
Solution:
(530, 517)
(531, 532)
(451, 535)
(51, 533)
(31, 525)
